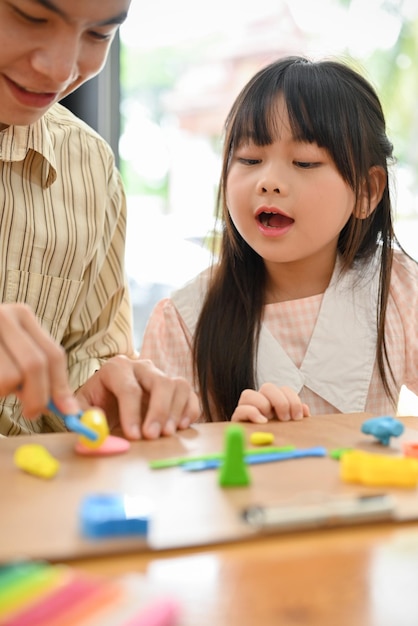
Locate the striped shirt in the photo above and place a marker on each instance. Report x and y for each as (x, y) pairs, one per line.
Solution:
(62, 246)
(167, 340)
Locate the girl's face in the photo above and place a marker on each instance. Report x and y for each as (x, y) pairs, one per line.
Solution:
(48, 49)
(287, 200)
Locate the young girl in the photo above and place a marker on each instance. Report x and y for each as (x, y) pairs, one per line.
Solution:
(312, 306)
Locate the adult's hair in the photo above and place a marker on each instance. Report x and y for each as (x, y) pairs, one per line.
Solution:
(333, 105)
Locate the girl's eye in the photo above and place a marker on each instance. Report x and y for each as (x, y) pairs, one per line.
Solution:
(248, 161)
(306, 165)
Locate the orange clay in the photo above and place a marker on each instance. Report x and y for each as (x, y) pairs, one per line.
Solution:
(410, 449)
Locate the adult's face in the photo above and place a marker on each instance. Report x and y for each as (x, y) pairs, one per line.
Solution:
(48, 49)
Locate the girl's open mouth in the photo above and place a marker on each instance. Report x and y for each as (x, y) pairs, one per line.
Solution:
(274, 220)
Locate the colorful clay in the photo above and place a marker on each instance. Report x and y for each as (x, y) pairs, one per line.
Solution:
(261, 439)
(233, 471)
(378, 470)
(110, 446)
(383, 428)
(94, 419)
(410, 449)
(35, 459)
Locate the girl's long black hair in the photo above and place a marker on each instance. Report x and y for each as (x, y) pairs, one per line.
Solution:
(330, 104)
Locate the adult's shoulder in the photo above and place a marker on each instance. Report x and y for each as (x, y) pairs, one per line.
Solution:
(59, 118)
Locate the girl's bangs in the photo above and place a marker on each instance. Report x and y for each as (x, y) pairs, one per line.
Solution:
(321, 108)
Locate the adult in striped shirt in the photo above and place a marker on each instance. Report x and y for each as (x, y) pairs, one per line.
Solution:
(65, 314)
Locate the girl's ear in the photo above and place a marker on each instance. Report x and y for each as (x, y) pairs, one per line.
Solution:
(370, 197)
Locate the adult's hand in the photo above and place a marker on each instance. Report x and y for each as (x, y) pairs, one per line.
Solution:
(139, 399)
(32, 365)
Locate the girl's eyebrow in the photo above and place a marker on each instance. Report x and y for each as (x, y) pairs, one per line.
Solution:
(47, 4)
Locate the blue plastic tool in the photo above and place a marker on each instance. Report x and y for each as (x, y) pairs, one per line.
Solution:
(113, 515)
(253, 459)
(73, 423)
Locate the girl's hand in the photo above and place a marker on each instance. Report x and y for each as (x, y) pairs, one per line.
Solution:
(269, 402)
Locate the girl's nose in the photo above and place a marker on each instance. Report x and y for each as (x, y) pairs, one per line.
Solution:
(265, 188)
(269, 184)
(269, 180)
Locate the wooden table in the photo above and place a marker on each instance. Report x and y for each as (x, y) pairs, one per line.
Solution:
(364, 576)
(356, 576)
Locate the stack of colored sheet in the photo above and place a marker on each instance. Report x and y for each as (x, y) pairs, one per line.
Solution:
(43, 594)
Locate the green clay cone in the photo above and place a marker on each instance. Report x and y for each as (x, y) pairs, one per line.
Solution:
(233, 471)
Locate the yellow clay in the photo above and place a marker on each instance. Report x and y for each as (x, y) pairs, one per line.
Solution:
(261, 438)
(96, 420)
(35, 459)
(380, 470)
